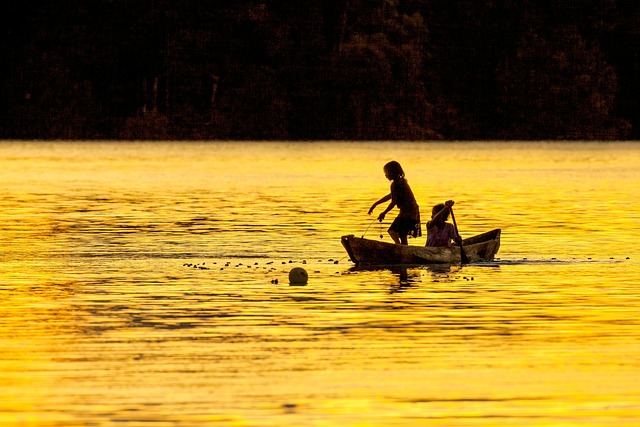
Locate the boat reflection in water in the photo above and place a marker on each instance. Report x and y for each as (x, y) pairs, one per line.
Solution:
(408, 276)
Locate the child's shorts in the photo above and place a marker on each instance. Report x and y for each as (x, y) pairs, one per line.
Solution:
(405, 227)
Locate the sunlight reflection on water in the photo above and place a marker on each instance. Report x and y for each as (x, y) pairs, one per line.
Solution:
(139, 286)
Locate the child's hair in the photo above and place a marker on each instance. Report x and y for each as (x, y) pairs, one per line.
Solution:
(394, 169)
(437, 208)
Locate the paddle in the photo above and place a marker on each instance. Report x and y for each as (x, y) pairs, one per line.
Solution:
(463, 256)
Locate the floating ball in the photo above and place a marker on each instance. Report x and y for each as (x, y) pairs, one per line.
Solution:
(298, 276)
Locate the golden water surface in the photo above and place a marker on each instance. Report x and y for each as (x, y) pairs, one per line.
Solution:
(138, 287)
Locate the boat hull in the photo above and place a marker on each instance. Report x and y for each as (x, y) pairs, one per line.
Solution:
(482, 247)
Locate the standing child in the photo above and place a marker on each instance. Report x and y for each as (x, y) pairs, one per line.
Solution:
(440, 232)
(408, 220)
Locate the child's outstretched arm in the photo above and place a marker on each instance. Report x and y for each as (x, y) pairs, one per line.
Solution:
(384, 199)
(384, 212)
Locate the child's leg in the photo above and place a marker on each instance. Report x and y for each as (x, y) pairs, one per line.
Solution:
(395, 236)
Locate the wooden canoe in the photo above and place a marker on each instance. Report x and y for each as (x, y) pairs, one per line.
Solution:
(482, 247)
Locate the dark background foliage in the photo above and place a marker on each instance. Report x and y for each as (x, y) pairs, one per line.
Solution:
(320, 69)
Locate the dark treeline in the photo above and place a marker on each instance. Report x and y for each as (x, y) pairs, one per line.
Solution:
(320, 69)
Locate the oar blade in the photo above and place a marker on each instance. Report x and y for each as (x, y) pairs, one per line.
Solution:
(463, 257)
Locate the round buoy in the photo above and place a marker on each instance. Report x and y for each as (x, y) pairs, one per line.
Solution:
(298, 276)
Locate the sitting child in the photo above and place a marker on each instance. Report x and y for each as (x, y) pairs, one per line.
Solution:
(440, 232)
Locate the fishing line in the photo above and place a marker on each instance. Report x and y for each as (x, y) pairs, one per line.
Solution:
(365, 231)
